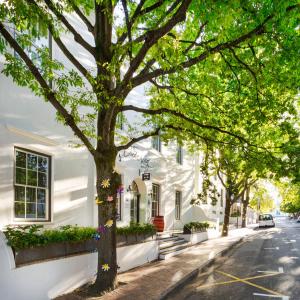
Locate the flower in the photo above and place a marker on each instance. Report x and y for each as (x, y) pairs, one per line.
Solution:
(105, 267)
(115, 170)
(105, 183)
(101, 229)
(120, 189)
(110, 198)
(98, 201)
(109, 223)
(96, 236)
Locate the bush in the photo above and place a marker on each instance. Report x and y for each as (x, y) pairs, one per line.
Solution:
(195, 226)
(136, 228)
(29, 236)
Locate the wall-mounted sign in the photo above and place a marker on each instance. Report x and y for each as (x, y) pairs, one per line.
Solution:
(146, 176)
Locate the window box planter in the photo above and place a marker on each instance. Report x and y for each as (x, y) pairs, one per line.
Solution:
(51, 251)
(195, 237)
(192, 230)
(131, 239)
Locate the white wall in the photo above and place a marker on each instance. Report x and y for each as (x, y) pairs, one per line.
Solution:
(49, 279)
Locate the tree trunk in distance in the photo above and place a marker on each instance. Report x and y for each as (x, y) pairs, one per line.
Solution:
(227, 214)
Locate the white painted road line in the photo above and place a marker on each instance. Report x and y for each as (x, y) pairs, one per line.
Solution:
(277, 248)
(272, 296)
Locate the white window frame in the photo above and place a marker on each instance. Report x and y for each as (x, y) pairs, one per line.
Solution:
(47, 189)
(156, 143)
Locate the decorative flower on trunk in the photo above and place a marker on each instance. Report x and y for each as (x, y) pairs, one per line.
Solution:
(110, 198)
(120, 189)
(101, 229)
(96, 236)
(105, 267)
(98, 201)
(109, 223)
(105, 183)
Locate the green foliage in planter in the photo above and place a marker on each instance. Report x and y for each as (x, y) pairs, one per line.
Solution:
(28, 236)
(195, 226)
(136, 228)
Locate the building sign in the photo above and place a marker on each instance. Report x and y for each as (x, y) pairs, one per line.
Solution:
(146, 176)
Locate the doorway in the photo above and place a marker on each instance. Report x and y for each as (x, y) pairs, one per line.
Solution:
(135, 204)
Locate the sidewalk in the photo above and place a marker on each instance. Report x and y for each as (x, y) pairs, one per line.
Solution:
(156, 280)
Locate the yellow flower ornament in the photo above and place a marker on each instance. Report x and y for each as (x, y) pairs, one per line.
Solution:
(105, 267)
(105, 183)
(109, 223)
(98, 201)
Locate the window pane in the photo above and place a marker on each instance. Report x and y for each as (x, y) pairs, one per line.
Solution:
(41, 211)
(20, 193)
(43, 164)
(30, 210)
(42, 180)
(20, 159)
(41, 196)
(20, 176)
(31, 161)
(31, 178)
(30, 194)
(20, 209)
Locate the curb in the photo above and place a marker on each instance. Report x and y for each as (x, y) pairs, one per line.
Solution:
(195, 272)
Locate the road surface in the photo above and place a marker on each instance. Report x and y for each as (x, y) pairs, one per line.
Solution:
(266, 266)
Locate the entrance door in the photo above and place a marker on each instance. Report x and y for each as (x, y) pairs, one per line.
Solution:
(135, 204)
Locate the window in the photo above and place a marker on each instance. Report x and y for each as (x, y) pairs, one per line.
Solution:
(32, 186)
(155, 200)
(118, 205)
(156, 143)
(178, 205)
(179, 155)
(221, 198)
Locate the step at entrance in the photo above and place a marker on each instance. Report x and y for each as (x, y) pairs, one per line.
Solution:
(171, 246)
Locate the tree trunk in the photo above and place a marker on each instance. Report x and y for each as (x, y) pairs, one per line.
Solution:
(107, 257)
(227, 214)
(245, 207)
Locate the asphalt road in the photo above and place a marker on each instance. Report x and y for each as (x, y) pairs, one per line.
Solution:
(272, 257)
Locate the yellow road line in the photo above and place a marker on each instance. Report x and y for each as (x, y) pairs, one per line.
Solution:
(250, 283)
(236, 280)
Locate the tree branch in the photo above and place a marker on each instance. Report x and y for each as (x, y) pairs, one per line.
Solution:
(182, 116)
(49, 94)
(152, 36)
(77, 37)
(258, 30)
(84, 19)
(138, 139)
(62, 46)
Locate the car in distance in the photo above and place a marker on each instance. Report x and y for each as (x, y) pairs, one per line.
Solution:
(298, 220)
(266, 220)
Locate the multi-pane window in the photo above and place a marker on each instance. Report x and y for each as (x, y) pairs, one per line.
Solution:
(156, 143)
(178, 205)
(222, 198)
(32, 186)
(179, 155)
(118, 205)
(155, 200)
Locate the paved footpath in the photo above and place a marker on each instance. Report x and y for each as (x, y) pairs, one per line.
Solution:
(155, 280)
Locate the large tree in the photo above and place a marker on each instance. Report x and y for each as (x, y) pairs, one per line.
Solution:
(130, 43)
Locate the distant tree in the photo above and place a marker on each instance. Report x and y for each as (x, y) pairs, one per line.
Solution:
(290, 194)
(261, 200)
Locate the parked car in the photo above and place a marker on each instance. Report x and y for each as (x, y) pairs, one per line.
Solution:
(298, 219)
(266, 220)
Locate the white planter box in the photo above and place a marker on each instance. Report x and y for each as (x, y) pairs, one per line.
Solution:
(195, 238)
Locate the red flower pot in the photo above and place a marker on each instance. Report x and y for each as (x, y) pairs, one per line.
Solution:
(159, 223)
